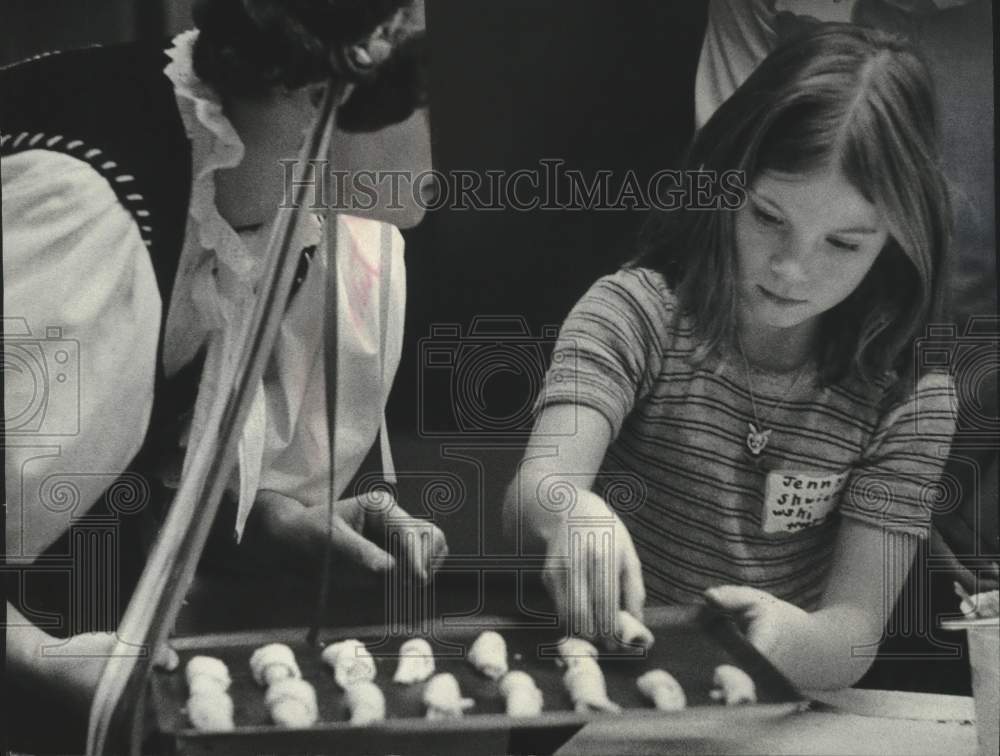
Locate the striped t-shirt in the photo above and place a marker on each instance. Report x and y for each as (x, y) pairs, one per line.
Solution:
(701, 509)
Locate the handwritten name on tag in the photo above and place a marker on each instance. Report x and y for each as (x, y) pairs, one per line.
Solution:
(795, 500)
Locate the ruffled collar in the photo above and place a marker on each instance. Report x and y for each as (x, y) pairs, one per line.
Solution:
(214, 291)
(215, 146)
(219, 267)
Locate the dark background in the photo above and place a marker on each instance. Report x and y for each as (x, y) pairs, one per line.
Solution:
(598, 84)
(595, 83)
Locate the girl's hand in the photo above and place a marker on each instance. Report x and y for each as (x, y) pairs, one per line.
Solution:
(592, 569)
(305, 530)
(771, 625)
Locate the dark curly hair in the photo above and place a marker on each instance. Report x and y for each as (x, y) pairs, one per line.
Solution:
(247, 47)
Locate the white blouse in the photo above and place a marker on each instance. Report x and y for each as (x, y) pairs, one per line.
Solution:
(81, 323)
(74, 261)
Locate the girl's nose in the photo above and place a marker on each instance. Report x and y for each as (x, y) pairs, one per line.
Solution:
(788, 261)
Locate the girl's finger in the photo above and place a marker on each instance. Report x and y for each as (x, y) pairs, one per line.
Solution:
(632, 586)
(593, 609)
(580, 609)
(760, 625)
(762, 632)
(604, 588)
(737, 598)
(554, 579)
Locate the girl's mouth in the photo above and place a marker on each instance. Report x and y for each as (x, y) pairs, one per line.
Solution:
(779, 300)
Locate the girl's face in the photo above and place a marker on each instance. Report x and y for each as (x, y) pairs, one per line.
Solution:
(803, 244)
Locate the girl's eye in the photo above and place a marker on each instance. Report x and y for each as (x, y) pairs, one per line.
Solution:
(765, 217)
(844, 245)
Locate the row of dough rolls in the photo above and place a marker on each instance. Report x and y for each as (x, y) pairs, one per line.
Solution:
(292, 702)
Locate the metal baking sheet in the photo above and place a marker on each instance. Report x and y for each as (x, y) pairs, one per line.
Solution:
(690, 643)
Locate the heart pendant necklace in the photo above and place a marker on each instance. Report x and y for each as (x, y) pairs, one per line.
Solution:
(758, 436)
(757, 439)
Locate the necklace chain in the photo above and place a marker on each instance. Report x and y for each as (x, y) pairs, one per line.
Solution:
(759, 436)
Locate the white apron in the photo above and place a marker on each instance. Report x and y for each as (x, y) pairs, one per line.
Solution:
(294, 447)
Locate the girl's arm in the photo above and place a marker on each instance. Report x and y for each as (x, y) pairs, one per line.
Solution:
(835, 645)
(886, 506)
(550, 502)
(566, 448)
(609, 353)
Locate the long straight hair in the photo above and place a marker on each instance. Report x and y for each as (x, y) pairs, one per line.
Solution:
(843, 98)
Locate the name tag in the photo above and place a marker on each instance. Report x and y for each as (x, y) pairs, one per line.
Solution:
(795, 501)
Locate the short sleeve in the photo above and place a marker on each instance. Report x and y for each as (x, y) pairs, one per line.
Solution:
(899, 483)
(81, 321)
(610, 347)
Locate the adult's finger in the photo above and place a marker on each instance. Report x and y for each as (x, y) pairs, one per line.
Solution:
(354, 547)
(166, 658)
(434, 545)
(420, 549)
(410, 540)
(352, 511)
(440, 548)
(419, 541)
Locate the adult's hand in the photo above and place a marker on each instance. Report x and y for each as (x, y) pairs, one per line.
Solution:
(64, 669)
(305, 531)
